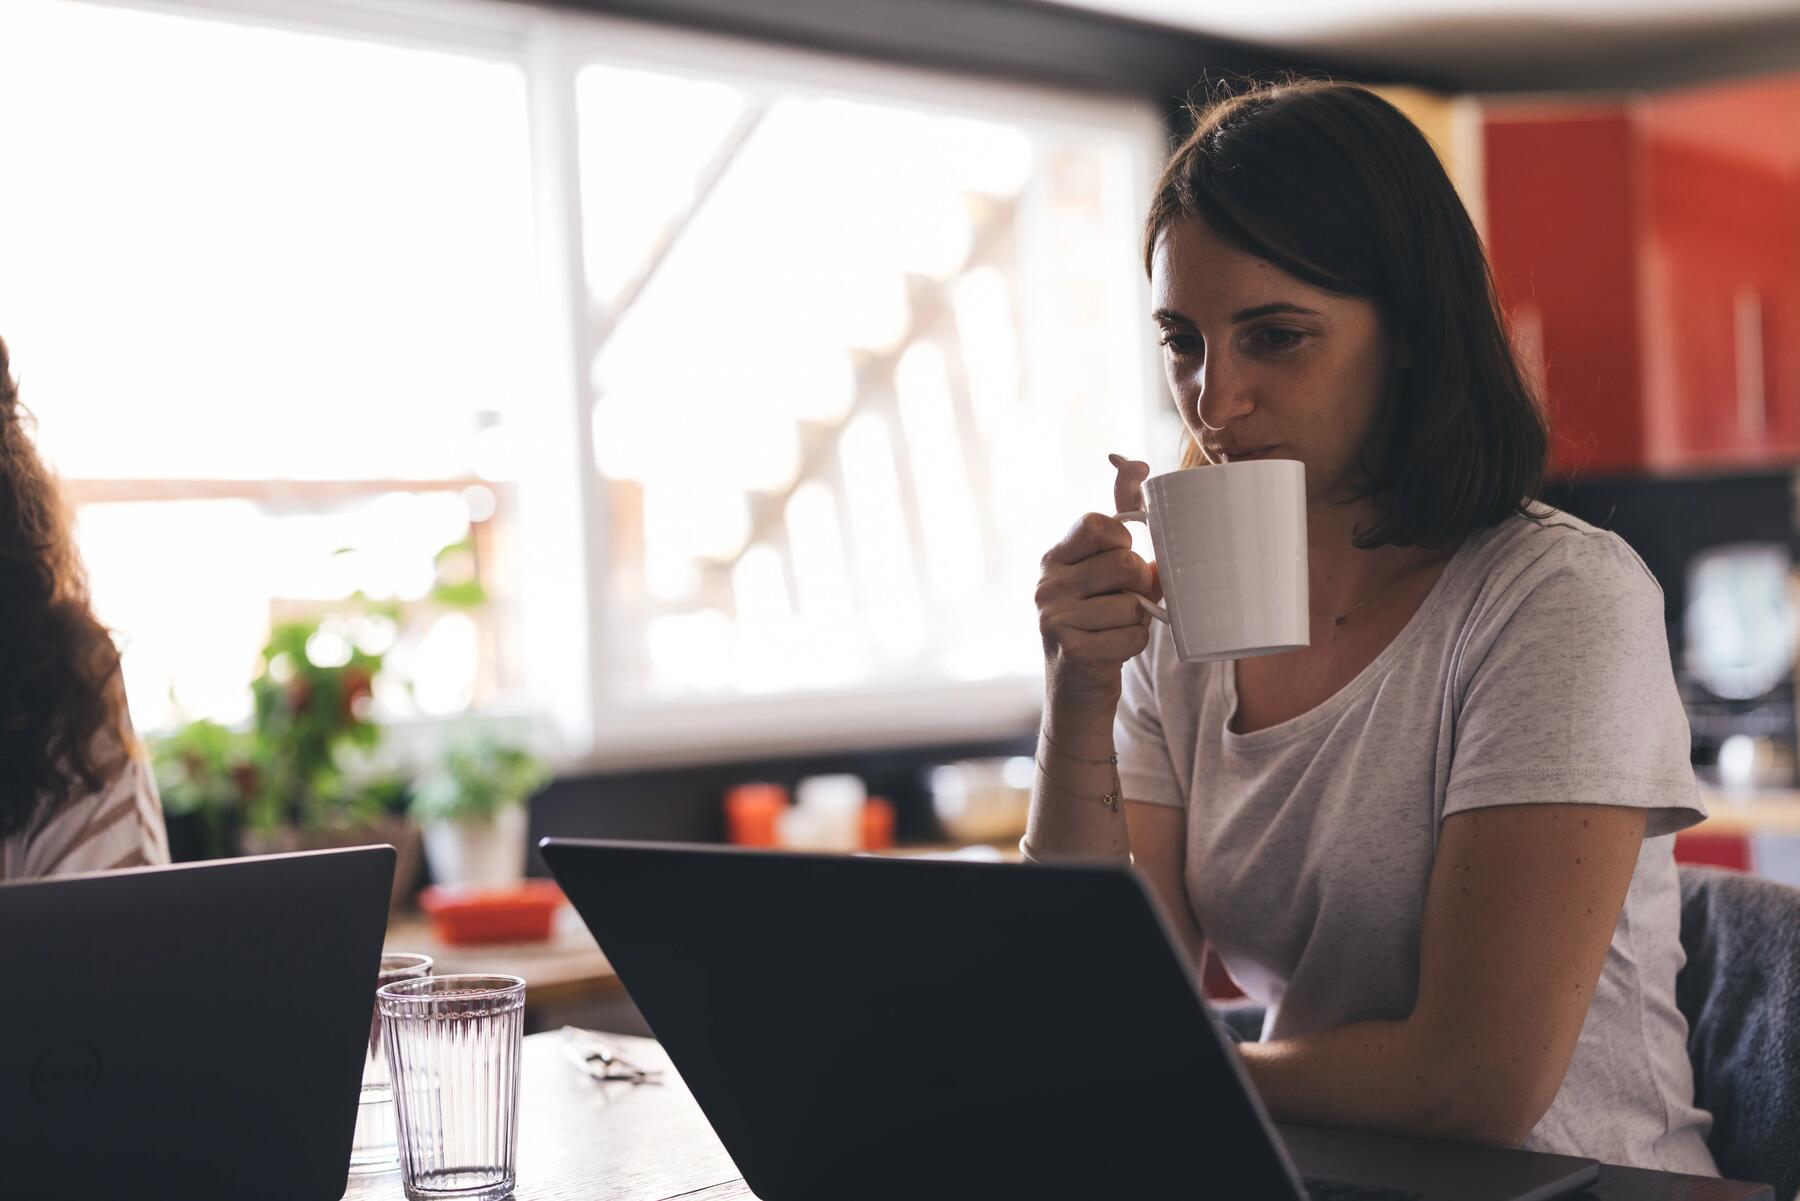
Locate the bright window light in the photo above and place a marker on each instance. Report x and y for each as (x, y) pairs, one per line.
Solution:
(775, 391)
(244, 254)
(861, 356)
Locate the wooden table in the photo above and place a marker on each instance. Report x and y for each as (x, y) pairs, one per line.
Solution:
(580, 1138)
(585, 1139)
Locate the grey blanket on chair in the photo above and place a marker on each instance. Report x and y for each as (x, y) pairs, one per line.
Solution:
(1740, 993)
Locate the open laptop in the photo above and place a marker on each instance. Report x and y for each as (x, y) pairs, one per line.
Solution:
(194, 1031)
(860, 1026)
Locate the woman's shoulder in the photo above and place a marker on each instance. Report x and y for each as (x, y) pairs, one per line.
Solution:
(1551, 585)
(119, 824)
(1550, 548)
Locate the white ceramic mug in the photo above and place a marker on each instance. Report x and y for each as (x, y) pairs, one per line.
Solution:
(1230, 547)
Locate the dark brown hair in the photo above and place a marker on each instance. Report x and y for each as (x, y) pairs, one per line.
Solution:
(63, 729)
(1335, 186)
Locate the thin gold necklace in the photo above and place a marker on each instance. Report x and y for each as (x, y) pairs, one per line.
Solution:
(1345, 615)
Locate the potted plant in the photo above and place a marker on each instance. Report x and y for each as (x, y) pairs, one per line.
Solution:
(471, 806)
(311, 724)
(300, 777)
(203, 770)
(308, 773)
(310, 712)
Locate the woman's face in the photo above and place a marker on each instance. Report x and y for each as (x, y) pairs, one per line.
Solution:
(1275, 367)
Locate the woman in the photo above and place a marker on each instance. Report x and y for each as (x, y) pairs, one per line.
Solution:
(1433, 842)
(76, 793)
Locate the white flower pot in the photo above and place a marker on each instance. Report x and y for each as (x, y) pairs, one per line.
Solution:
(483, 853)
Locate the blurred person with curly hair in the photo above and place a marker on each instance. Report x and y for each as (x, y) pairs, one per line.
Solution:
(76, 793)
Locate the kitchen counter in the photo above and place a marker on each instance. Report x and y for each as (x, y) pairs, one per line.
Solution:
(1750, 811)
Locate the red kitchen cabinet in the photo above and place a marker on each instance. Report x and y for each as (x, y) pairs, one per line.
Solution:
(1562, 233)
(1648, 255)
(1721, 196)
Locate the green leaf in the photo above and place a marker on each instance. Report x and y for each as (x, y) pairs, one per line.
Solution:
(477, 776)
(466, 595)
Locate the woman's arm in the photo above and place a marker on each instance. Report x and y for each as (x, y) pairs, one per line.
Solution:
(1091, 626)
(1069, 817)
(1159, 852)
(1520, 910)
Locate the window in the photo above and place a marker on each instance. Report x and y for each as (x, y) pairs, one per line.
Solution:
(753, 383)
(267, 293)
(857, 348)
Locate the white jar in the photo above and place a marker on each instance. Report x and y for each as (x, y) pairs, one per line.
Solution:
(833, 806)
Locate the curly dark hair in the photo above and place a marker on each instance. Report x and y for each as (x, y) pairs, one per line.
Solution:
(1335, 186)
(63, 727)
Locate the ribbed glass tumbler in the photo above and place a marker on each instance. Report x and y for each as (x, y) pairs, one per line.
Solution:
(376, 1146)
(453, 1055)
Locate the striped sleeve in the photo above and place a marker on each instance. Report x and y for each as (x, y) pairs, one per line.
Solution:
(116, 827)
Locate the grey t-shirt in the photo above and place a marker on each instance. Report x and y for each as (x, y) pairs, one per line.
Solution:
(1537, 670)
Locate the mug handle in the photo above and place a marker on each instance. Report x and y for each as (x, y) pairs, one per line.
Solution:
(1151, 607)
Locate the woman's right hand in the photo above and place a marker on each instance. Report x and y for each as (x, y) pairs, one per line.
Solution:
(1090, 622)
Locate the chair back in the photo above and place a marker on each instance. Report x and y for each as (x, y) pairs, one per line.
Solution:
(1740, 993)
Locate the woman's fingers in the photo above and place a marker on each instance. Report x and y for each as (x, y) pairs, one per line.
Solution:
(1109, 571)
(1111, 612)
(1128, 484)
(1091, 534)
(1089, 621)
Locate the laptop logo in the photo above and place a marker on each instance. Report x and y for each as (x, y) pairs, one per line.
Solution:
(67, 1073)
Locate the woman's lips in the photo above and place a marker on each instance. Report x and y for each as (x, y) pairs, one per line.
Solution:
(1242, 456)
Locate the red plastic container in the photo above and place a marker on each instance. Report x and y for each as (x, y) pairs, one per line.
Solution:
(751, 811)
(463, 915)
(877, 824)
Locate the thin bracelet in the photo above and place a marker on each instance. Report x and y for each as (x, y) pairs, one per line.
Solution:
(1109, 799)
(1045, 739)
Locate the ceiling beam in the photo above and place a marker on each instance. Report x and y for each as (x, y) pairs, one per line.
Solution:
(1024, 40)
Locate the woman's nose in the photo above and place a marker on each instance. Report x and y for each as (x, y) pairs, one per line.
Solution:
(1225, 395)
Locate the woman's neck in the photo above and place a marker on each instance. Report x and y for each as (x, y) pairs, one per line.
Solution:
(1342, 575)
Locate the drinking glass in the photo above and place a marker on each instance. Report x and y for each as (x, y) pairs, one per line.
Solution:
(453, 1056)
(375, 1148)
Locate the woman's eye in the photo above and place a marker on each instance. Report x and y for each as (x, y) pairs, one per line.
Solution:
(1181, 343)
(1276, 338)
